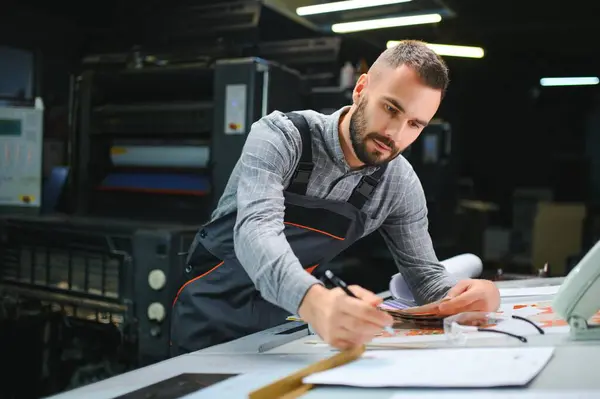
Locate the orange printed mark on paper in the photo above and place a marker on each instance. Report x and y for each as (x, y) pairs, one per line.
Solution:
(547, 310)
(489, 325)
(553, 323)
(402, 332)
(432, 331)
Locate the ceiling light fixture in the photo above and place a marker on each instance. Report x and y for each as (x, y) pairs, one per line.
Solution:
(344, 5)
(346, 27)
(450, 50)
(576, 81)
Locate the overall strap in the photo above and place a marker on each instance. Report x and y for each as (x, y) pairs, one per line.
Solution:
(365, 187)
(299, 183)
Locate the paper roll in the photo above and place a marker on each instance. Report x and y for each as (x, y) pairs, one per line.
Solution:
(461, 266)
(161, 156)
(464, 266)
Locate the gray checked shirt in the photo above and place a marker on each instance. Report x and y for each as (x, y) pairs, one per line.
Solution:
(255, 189)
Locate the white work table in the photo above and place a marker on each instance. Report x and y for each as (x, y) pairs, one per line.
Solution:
(264, 357)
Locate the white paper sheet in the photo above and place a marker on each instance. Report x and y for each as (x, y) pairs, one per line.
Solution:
(502, 394)
(528, 291)
(443, 368)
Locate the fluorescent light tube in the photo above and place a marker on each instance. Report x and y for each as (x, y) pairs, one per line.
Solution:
(346, 27)
(581, 81)
(450, 50)
(344, 5)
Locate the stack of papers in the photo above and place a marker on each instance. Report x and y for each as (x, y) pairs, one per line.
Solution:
(440, 368)
(528, 291)
(427, 315)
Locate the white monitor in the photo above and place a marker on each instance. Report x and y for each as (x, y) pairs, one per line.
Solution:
(21, 142)
(578, 298)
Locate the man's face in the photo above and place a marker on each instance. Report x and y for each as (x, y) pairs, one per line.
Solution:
(391, 111)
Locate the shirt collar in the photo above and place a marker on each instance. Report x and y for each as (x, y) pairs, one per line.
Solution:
(332, 142)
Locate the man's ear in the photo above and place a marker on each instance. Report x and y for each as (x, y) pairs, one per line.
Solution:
(359, 87)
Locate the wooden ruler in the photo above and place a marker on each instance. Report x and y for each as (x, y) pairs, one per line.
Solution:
(292, 386)
(381, 345)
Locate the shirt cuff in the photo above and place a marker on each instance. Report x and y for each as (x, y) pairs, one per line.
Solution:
(449, 282)
(293, 290)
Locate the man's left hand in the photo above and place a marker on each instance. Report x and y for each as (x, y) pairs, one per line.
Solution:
(471, 295)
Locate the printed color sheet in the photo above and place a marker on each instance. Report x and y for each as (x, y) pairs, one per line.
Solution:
(540, 312)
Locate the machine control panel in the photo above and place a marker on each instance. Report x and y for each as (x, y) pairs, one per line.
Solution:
(21, 143)
(235, 109)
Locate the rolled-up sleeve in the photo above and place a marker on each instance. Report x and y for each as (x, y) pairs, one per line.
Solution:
(406, 234)
(269, 155)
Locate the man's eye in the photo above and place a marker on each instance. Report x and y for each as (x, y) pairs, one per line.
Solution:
(390, 109)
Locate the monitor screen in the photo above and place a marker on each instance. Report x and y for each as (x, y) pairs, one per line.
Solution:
(16, 73)
(10, 127)
(430, 148)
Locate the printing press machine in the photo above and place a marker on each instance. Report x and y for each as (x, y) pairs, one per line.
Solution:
(174, 132)
(152, 150)
(234, 369)
(90, 288)
(89, 261)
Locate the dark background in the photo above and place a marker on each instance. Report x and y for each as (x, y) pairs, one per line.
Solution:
(513, 133)
(510, 133)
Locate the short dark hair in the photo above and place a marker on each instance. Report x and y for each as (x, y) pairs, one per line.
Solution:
(430, 67)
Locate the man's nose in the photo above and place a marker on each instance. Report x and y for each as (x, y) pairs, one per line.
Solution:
(396, 130)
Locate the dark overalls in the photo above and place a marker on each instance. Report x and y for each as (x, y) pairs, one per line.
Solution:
(219, 302)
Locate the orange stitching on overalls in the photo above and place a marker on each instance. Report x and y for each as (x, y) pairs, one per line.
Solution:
(315, 230)
(196, 278)
(310, 269)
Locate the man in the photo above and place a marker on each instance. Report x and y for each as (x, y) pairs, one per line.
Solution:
(306, 187)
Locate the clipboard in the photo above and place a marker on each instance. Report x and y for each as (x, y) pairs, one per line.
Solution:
(292, 386)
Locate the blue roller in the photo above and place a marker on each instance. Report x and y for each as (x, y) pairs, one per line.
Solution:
(157, 182)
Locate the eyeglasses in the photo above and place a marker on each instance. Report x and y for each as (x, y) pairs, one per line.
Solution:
(458, 327)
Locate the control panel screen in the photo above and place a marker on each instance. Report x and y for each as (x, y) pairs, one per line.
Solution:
(10, 127)
(21, 143)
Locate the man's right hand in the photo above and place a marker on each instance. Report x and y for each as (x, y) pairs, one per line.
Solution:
(341, 320)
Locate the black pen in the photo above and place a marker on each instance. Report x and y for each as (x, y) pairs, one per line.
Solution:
(338, 282)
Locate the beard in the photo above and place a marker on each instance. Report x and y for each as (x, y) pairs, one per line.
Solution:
(359, 139)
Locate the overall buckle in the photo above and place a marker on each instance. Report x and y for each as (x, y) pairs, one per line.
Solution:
(302, 174)
(366, 186)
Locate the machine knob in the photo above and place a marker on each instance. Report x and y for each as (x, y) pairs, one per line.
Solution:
(156, 311)
(155, 331)
(157, 279)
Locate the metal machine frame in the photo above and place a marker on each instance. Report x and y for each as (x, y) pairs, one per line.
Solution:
(117, 259)
(112, 272)
(194, 113)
